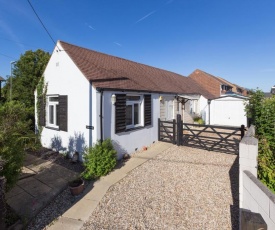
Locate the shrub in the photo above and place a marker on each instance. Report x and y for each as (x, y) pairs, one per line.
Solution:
(99, 160)
(261, 110)
(198, 118)
(14, 138)
(266, 160)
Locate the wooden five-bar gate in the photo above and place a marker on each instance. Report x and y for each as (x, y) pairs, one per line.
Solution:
(210, 137)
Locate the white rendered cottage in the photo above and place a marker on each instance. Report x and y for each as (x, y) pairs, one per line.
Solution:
(92, 96)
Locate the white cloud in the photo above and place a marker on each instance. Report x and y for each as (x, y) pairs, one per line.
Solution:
(91, 27)
(146, 16)
(118, 44)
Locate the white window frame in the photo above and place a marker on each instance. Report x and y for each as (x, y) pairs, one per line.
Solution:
(54, 104)
(140, 104)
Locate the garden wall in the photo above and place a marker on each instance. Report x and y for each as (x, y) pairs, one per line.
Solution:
(254, 195)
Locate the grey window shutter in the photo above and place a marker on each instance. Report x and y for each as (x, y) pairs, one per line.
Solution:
(120, 113)
(147, 110)
(42, 112)
(62, 113)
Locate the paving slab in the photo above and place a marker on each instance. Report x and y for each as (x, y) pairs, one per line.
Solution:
(34, 187)
(64, 223)
(26, 172)
(31, 194)
(100, 187)
(39, 165)
(62, 172)
(14, 192)
(81, 210)
(29, 159)
(23, 204)
(114, 176)
(49, 178)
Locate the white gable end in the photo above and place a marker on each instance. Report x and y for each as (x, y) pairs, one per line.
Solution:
(63, 77)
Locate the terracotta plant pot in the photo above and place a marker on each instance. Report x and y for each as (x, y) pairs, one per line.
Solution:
(76, 186)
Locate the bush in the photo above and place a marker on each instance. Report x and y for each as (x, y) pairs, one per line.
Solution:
(14, 138)
(198, 118)
(99, 160)
(266, 160)
(261, 111)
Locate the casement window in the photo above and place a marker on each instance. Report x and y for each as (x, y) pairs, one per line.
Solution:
(132, 111)
(53, 112)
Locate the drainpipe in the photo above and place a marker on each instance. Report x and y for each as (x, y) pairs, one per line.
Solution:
(209, 102)
(101, 116)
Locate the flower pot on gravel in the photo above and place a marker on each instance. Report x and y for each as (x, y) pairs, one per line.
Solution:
(76, 186)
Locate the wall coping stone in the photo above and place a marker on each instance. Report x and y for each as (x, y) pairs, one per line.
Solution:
(260, 185)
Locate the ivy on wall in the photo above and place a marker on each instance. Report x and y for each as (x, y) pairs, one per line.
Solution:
(41, 90)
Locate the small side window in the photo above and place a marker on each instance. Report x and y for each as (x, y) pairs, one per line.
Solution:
(52, 112)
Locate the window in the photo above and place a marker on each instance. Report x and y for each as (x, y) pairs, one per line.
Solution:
(239, 90)
(53, 114)
(52, 111)
(226, 88)
(132, 111)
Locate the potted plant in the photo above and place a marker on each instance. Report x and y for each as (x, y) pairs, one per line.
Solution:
(76, 186)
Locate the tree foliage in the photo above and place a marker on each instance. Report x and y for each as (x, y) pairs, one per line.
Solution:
(261, 110)
(14, 138)
(26, 74)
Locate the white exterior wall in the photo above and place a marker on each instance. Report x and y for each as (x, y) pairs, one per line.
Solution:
(134, 140)
(228, 111)
(64, 78)
(164, 107)
(203, 109)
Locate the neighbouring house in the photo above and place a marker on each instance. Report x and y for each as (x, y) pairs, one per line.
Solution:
(217, 85)
(271, 93)
(90, 96)
(225, 106)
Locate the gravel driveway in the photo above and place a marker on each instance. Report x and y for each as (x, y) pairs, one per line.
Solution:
(182, 188)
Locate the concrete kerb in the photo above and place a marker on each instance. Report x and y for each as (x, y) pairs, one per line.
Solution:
(82, 210)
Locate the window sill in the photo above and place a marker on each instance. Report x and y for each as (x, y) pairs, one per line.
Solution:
(135, 128)
(53, 128)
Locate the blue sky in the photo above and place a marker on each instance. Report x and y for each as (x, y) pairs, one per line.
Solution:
(228, 38)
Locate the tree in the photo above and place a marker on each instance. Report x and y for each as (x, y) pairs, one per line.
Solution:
(14, 138)
(26, 74)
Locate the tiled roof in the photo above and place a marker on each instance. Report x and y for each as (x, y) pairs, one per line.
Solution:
(207, 81)
(110, 72)
(212, 83)
(2, 79)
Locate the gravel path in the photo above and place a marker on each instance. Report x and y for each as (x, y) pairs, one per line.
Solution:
(182, 188)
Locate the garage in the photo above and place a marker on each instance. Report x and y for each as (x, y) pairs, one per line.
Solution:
(228, 110)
